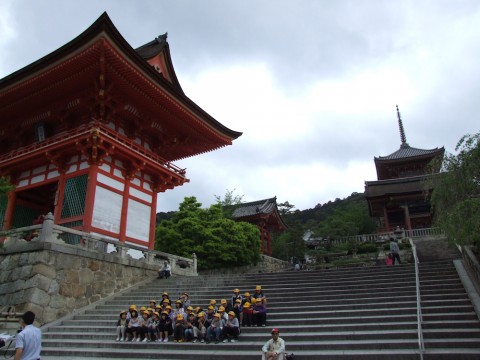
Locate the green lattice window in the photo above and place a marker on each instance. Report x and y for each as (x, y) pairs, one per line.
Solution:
(24, 216)
(74, 196)
(71, 238)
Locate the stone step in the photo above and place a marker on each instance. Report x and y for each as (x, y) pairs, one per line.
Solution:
(362, 313)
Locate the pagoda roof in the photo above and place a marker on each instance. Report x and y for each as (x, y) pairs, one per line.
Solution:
(391, 187)
(406, 152)
(100, 66)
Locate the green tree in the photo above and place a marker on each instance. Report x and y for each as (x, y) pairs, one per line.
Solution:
(285, 208)
(456, 192)
(5, 185)
(229, 202)
(230, 198)
(289, 243)
(217, 241)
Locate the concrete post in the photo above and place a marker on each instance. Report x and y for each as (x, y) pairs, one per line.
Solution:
(47, 228)
(194, 256)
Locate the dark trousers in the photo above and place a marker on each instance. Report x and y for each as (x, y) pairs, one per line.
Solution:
(259, 319)
(396, 256)
(230, 331)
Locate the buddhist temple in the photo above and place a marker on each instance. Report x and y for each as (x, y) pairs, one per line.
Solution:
(263, 214)
(399, 197)
(90, 132)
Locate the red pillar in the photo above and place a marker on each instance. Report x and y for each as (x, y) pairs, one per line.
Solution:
(57, 213)
(124, 213)
(90, 197)
(9, 211)
(269, 244)
(385, 219)
(153, 222)
(408, 223)
(262, 247)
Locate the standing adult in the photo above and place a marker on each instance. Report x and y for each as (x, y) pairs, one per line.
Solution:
(394, 250)
(274, 349)
(29, 341)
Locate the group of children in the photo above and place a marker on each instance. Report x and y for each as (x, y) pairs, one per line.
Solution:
(160, 321)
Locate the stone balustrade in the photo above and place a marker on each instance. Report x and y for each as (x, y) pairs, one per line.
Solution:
(50, 232)
(385, 236)
(39, 271)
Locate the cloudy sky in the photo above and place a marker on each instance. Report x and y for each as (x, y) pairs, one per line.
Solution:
(312, 84)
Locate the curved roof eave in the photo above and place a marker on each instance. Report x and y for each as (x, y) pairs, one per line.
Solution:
(408, 153)
(104, 24)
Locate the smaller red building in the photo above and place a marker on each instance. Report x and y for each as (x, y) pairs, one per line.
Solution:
(399, 196)
(263, 214)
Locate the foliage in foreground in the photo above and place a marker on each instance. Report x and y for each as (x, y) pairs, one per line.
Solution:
(217, 241)
(456, 193)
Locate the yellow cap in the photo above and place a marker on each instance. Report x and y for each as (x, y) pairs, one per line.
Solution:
(154, 301)
(211, 308)
(123, 312)
(258, 287)
(133, 307)
(190, 308)
(223, 301)
(221, 308)
(156, 313)
(213, 302)
(232, 313)
(179, 317)
(217, 315)
(246, 305)
(236, 290)
(201, 314)
(143, 308)
(247, 294)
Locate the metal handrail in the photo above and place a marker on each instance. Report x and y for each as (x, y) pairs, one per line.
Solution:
(421, 344)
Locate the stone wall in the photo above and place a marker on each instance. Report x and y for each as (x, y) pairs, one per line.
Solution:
(53, 279)
(266, 265)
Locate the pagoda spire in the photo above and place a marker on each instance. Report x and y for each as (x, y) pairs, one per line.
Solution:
(402, 131)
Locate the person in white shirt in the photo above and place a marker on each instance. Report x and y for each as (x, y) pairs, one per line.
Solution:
(165, 271)
(274, 349)
(29, 341)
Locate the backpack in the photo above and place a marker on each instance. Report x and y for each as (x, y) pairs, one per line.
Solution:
(289, 356)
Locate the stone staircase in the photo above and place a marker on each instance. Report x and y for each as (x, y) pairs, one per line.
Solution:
(434, 249)
(355, 313)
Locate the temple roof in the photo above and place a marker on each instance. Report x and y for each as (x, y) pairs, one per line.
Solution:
(266, 206)
(408, 152)
(153, 47)
(261, 210)
(106, 79)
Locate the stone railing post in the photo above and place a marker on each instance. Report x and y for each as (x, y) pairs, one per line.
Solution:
(149, 257)
(122, 251)
(47, 228)
(194, 256)
(173, 264)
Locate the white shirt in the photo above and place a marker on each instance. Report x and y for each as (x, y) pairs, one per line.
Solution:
(275, 346)
(30, 340)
